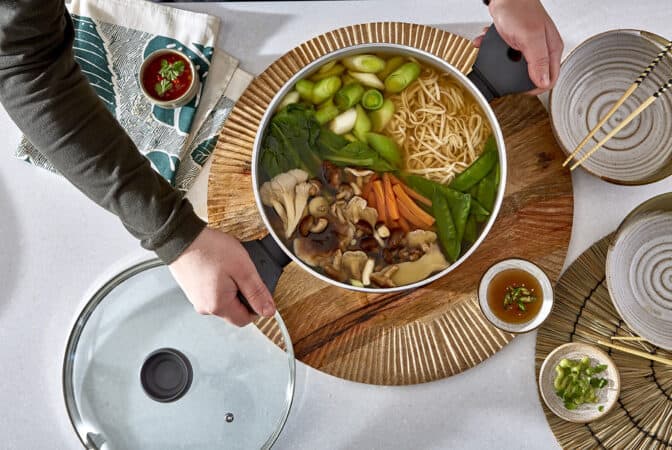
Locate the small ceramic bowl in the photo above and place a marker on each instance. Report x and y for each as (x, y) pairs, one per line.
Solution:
(183, 99)
(536, 272)
(593, 77)
(589, 411)
(639, 270)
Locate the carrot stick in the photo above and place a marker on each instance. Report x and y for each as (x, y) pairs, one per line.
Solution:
(414, 195)
(412, 208)
(367, 190)
(411, 218)
(403, 224)
(380, 200)
(371, 199)
(411, 193)
(391, 202)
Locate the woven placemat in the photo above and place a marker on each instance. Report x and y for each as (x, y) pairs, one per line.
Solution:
(583, 312)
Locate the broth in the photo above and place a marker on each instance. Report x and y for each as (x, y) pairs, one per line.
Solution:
(505, 282)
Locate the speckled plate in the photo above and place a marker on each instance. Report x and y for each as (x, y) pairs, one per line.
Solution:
(589, 411)
(593, 77)
(639, 270)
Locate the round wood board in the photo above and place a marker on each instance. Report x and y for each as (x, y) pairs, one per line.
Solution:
(583, 312)
(428, 333)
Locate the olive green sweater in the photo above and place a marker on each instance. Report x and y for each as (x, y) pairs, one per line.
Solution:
(46, 94)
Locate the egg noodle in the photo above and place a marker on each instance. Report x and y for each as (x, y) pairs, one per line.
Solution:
(440, 127)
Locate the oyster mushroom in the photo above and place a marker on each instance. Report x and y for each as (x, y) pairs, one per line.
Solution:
(383, 278)
(288, 194)
(421, 239)
(367, 271)
(352, 263)
(357, 210)
(430, 262)
(314, 253)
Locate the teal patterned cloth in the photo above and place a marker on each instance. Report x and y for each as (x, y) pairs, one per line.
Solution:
(110, 54)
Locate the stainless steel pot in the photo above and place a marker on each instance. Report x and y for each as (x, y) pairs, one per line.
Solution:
(498, 71)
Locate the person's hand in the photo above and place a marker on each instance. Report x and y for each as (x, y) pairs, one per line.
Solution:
(526, 27)
(212, 270)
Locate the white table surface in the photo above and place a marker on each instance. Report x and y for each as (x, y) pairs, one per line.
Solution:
(55, 244)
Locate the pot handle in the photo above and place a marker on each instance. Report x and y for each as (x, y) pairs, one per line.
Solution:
(499, 69)
(269, 259)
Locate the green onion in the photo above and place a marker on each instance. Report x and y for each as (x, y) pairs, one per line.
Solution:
(391, 65)
(291, 98)
(401, 78)
(344, 122)
(335, 70)
(368, 79)
(326, 112)
(348, 96)
(575, 385)
(325, 89)
(362, 124)
(372, 99)
(381, 117)
(364, 63)
(305, 89)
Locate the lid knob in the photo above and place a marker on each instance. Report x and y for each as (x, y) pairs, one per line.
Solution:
(166, 375)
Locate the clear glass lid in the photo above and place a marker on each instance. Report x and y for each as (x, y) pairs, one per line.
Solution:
(143, 370)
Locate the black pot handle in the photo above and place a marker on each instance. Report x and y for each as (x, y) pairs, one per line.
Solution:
(269, 259)
(499, 69)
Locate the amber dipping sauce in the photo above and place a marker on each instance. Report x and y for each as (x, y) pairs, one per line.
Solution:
(497, 291)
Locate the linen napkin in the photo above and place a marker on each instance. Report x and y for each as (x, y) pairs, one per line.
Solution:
(112, 38)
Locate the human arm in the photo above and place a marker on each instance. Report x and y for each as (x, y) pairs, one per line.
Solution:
(45, 93)
(526, 26)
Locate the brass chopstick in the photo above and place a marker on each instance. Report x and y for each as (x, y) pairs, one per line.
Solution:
(620, 101)
(628, 338)
(639, 353)
(625, 121)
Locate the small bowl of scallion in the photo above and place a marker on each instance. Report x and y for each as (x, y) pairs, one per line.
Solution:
(579, 382)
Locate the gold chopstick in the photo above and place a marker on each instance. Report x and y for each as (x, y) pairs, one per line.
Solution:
(625, 121)
(620, 101)
(639, 353)
(628, 338)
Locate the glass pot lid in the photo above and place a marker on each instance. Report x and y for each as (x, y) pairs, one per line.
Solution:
(143, 370)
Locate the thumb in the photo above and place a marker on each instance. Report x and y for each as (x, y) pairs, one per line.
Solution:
(538, 60)
(252, 287)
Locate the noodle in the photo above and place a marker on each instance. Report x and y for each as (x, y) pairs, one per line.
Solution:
(440, 127)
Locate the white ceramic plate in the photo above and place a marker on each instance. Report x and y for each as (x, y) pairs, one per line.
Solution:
(639, 271)
(589, 411)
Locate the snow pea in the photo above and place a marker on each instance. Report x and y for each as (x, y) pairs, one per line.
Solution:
(479, 169)
(460, 212)
(470, 230)
(487, 188)
(445, 226)
(427, 187)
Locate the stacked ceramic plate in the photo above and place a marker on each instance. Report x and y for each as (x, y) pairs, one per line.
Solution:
(593, 77)
(639, 270)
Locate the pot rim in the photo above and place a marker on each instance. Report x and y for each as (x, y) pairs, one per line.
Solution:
(425, 57)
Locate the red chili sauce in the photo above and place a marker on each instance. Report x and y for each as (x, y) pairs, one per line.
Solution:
(167, 77)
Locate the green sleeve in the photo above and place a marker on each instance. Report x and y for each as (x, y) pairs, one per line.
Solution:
(46, 94)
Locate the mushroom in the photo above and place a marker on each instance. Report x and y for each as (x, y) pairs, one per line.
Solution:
(366, 272)
(315, 186)
(352, 263)
(356, 209)
(421, 239)
(337, 210)
(345, 192)
(383, 278)
(318, 207)
(413, 271)
(383, 231)
(359, 176)
(396, 238)
(288, 194)
(313, 253)
(332, 174)
(310, 224)
(355, 189)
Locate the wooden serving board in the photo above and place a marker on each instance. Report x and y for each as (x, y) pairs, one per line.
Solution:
(428, 333)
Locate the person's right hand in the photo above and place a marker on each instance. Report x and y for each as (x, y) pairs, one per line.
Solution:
(526, 27)
(212, 270)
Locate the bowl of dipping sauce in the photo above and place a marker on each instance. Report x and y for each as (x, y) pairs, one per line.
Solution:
(515, 295)
(168, 78)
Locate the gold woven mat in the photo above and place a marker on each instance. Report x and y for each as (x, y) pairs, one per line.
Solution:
(583, 312)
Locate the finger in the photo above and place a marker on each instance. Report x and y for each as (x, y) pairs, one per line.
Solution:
(234, 311)
(253, 288)
(478, 40)
(535, 51)
(555, 47)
